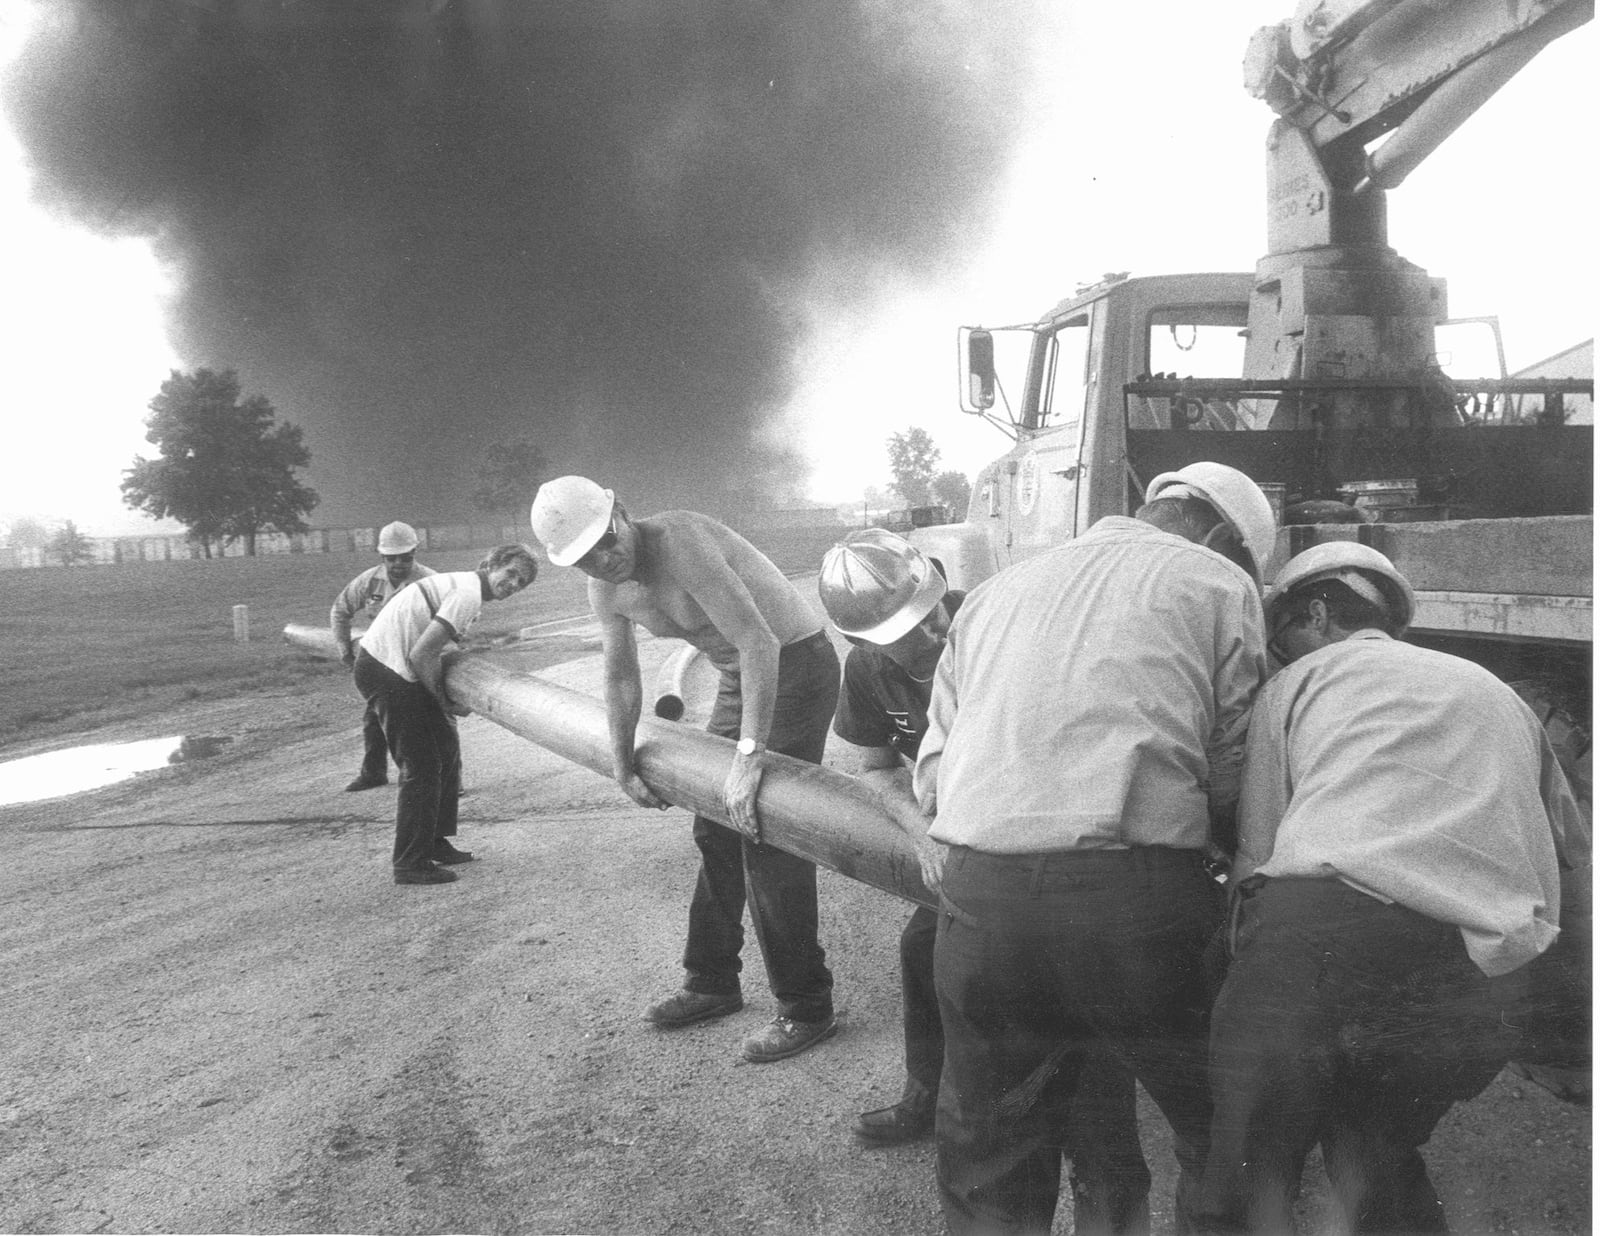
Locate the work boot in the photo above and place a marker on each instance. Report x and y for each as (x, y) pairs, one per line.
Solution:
(784, 1037)
(431, 874)
(444, 852)
(684, 1008)
(365, 782)
(909, 1120)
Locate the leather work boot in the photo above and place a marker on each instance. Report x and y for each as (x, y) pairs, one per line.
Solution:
(364, 782)
(784, 1037)
(909, 1120)
(684, 1008)
(444, 852)
(431, 874)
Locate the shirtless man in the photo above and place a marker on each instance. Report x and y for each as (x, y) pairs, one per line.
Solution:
(683, 575)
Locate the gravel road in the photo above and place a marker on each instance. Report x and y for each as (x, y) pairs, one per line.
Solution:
(222, 1016)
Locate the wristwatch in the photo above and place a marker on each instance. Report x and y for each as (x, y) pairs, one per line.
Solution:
(748, 746)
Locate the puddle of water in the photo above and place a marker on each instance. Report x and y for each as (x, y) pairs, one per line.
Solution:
(56, 774)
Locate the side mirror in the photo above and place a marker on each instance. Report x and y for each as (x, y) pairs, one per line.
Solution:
(980, 370)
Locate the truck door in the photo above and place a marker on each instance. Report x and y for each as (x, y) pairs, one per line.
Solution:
(1045, 469)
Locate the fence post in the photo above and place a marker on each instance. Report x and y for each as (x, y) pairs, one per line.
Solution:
(241, 624)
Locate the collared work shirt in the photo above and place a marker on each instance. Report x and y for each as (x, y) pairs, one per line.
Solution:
(1416, 777)
(1095, 696)
(367, 594)
(454, 598)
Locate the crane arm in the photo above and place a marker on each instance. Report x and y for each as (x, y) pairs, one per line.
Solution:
(1343, 72)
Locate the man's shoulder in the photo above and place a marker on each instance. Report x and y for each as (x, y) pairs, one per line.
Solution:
(366, 577)
(687, 542)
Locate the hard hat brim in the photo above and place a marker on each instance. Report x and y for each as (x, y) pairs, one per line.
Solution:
(581, 544)
(928, 594)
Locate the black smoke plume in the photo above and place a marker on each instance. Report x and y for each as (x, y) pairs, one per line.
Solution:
(421, 227)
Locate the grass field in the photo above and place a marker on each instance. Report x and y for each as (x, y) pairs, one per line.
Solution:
(90, 645)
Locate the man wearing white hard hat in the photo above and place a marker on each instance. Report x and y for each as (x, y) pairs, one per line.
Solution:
(366, 595)
(683, 575)
(889, 600)
(1402, 825)
(1085, 735)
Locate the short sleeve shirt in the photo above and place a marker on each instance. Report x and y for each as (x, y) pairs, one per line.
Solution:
(454, 598)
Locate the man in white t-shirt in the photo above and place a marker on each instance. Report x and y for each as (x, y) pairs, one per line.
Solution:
(400, 671)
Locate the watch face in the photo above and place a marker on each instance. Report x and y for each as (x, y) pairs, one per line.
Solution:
(747, 746)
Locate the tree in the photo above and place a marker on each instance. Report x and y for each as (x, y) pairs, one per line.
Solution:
(26, 532)
(953, 490)
(227, 467)
(912, 459)
(70, 546)
(508, 476)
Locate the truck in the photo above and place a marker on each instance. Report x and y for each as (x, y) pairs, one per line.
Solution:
(1325, 374)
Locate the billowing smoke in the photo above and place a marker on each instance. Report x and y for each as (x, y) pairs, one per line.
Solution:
(421, 227)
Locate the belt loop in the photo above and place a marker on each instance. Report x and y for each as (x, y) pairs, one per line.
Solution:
(1242, 892)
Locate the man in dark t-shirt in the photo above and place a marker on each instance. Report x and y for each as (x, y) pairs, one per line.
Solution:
(891, 603)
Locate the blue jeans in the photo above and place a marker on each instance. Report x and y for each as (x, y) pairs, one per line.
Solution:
(782, 889)
(1042, 960)
(1351, 1023)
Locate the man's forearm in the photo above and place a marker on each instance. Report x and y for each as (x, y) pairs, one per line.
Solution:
(624, 702)
(758, 692)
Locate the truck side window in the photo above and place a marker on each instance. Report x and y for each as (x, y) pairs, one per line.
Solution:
(1066, 374)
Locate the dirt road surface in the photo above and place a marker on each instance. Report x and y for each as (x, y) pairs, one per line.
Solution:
(221, 1016)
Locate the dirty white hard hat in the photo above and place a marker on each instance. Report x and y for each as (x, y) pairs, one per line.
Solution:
(570, 513)
(1362, 569)
(397, 538)
(876, 586)
(1233, 495)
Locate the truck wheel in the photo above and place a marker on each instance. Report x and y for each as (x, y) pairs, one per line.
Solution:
(1563, 977)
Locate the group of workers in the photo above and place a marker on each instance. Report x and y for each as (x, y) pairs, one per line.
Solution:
(1078, 750)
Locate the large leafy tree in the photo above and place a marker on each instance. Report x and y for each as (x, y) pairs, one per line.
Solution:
(507, 478)
(227, 466)
(912, 459)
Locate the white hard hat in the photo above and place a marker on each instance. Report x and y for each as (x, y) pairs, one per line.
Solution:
(397, 538)
(570, 513)
(1232, 494)
(876, 586)
(1362, 569)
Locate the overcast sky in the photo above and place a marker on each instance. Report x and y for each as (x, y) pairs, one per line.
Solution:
(789, 342)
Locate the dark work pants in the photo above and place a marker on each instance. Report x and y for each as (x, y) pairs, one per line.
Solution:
(1110, 1181)
(1351, 1023)
(375, 747)
(1043, 960)
(426, 749)
(781, 888)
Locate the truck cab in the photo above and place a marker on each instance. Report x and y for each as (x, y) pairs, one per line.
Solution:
(1479, 489)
